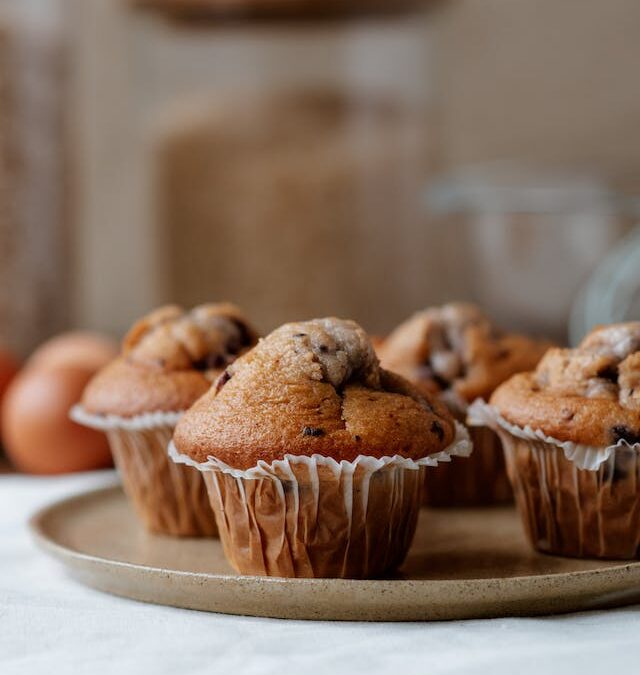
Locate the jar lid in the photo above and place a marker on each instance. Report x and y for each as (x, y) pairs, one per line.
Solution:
(506, 187)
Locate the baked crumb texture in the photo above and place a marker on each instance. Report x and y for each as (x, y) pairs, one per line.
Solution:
(456, 349)
(589, 395)
(456, 353)
(169, 358)
(313, 387)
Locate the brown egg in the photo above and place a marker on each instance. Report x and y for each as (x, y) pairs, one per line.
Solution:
(80, 349)
(9, 367)
(39, 437)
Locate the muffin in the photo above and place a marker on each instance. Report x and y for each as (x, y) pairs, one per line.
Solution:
(571, 434)
(314, 456)
(455, 352)
(168, 360)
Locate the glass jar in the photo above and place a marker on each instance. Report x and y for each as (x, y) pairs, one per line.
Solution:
(612, 292)
(279, 163)
(527, 238)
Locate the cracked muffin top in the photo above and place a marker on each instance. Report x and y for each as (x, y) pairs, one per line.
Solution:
(588, 395)
(313, 387)
(456, 352)
(169, 358)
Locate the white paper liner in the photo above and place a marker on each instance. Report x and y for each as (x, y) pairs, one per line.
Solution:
(316, 517)
(142, 422)
(169, 499)
(461, 447)
(585, 457)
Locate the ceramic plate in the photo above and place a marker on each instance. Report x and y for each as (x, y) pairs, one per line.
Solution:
(463, 564)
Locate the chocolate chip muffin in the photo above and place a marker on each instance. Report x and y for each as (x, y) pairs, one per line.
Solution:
(571, 431)
(315, 456)
(169, 359)
(456, 353)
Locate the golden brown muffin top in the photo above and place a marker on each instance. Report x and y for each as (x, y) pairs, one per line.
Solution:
(456, 350)
(169, 358)
(588, 395)
(313, 387)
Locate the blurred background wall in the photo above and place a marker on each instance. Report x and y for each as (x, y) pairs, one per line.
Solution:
(544, 81)
(285, 164)
(35, 214)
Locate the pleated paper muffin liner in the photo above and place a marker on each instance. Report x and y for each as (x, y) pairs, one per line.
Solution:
(586, 457)
(574, 500)
(316, 517)
(168, 498)
(480, 480)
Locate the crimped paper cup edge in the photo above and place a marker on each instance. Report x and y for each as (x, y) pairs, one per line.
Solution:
(461, 447)
(144, 422)
(586, 457)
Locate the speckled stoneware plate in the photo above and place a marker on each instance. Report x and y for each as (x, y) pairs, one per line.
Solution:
(463, 564)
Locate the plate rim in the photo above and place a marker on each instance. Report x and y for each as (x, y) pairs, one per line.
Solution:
(48, 544)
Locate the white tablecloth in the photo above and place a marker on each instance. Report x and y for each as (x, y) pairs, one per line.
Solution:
(52, 625)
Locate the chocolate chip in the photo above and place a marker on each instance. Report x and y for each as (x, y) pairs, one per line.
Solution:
(358, 438)
(622, 433)
(440, 381)
(246, 336)
(312, 431)
(436, 428)
(324, 349)
(447, 343)
(609, 373)
(201, 364)
(216, 361)
(503, 354)
(212, 361)
(234, 346)
(300, 335)
(222, 380)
